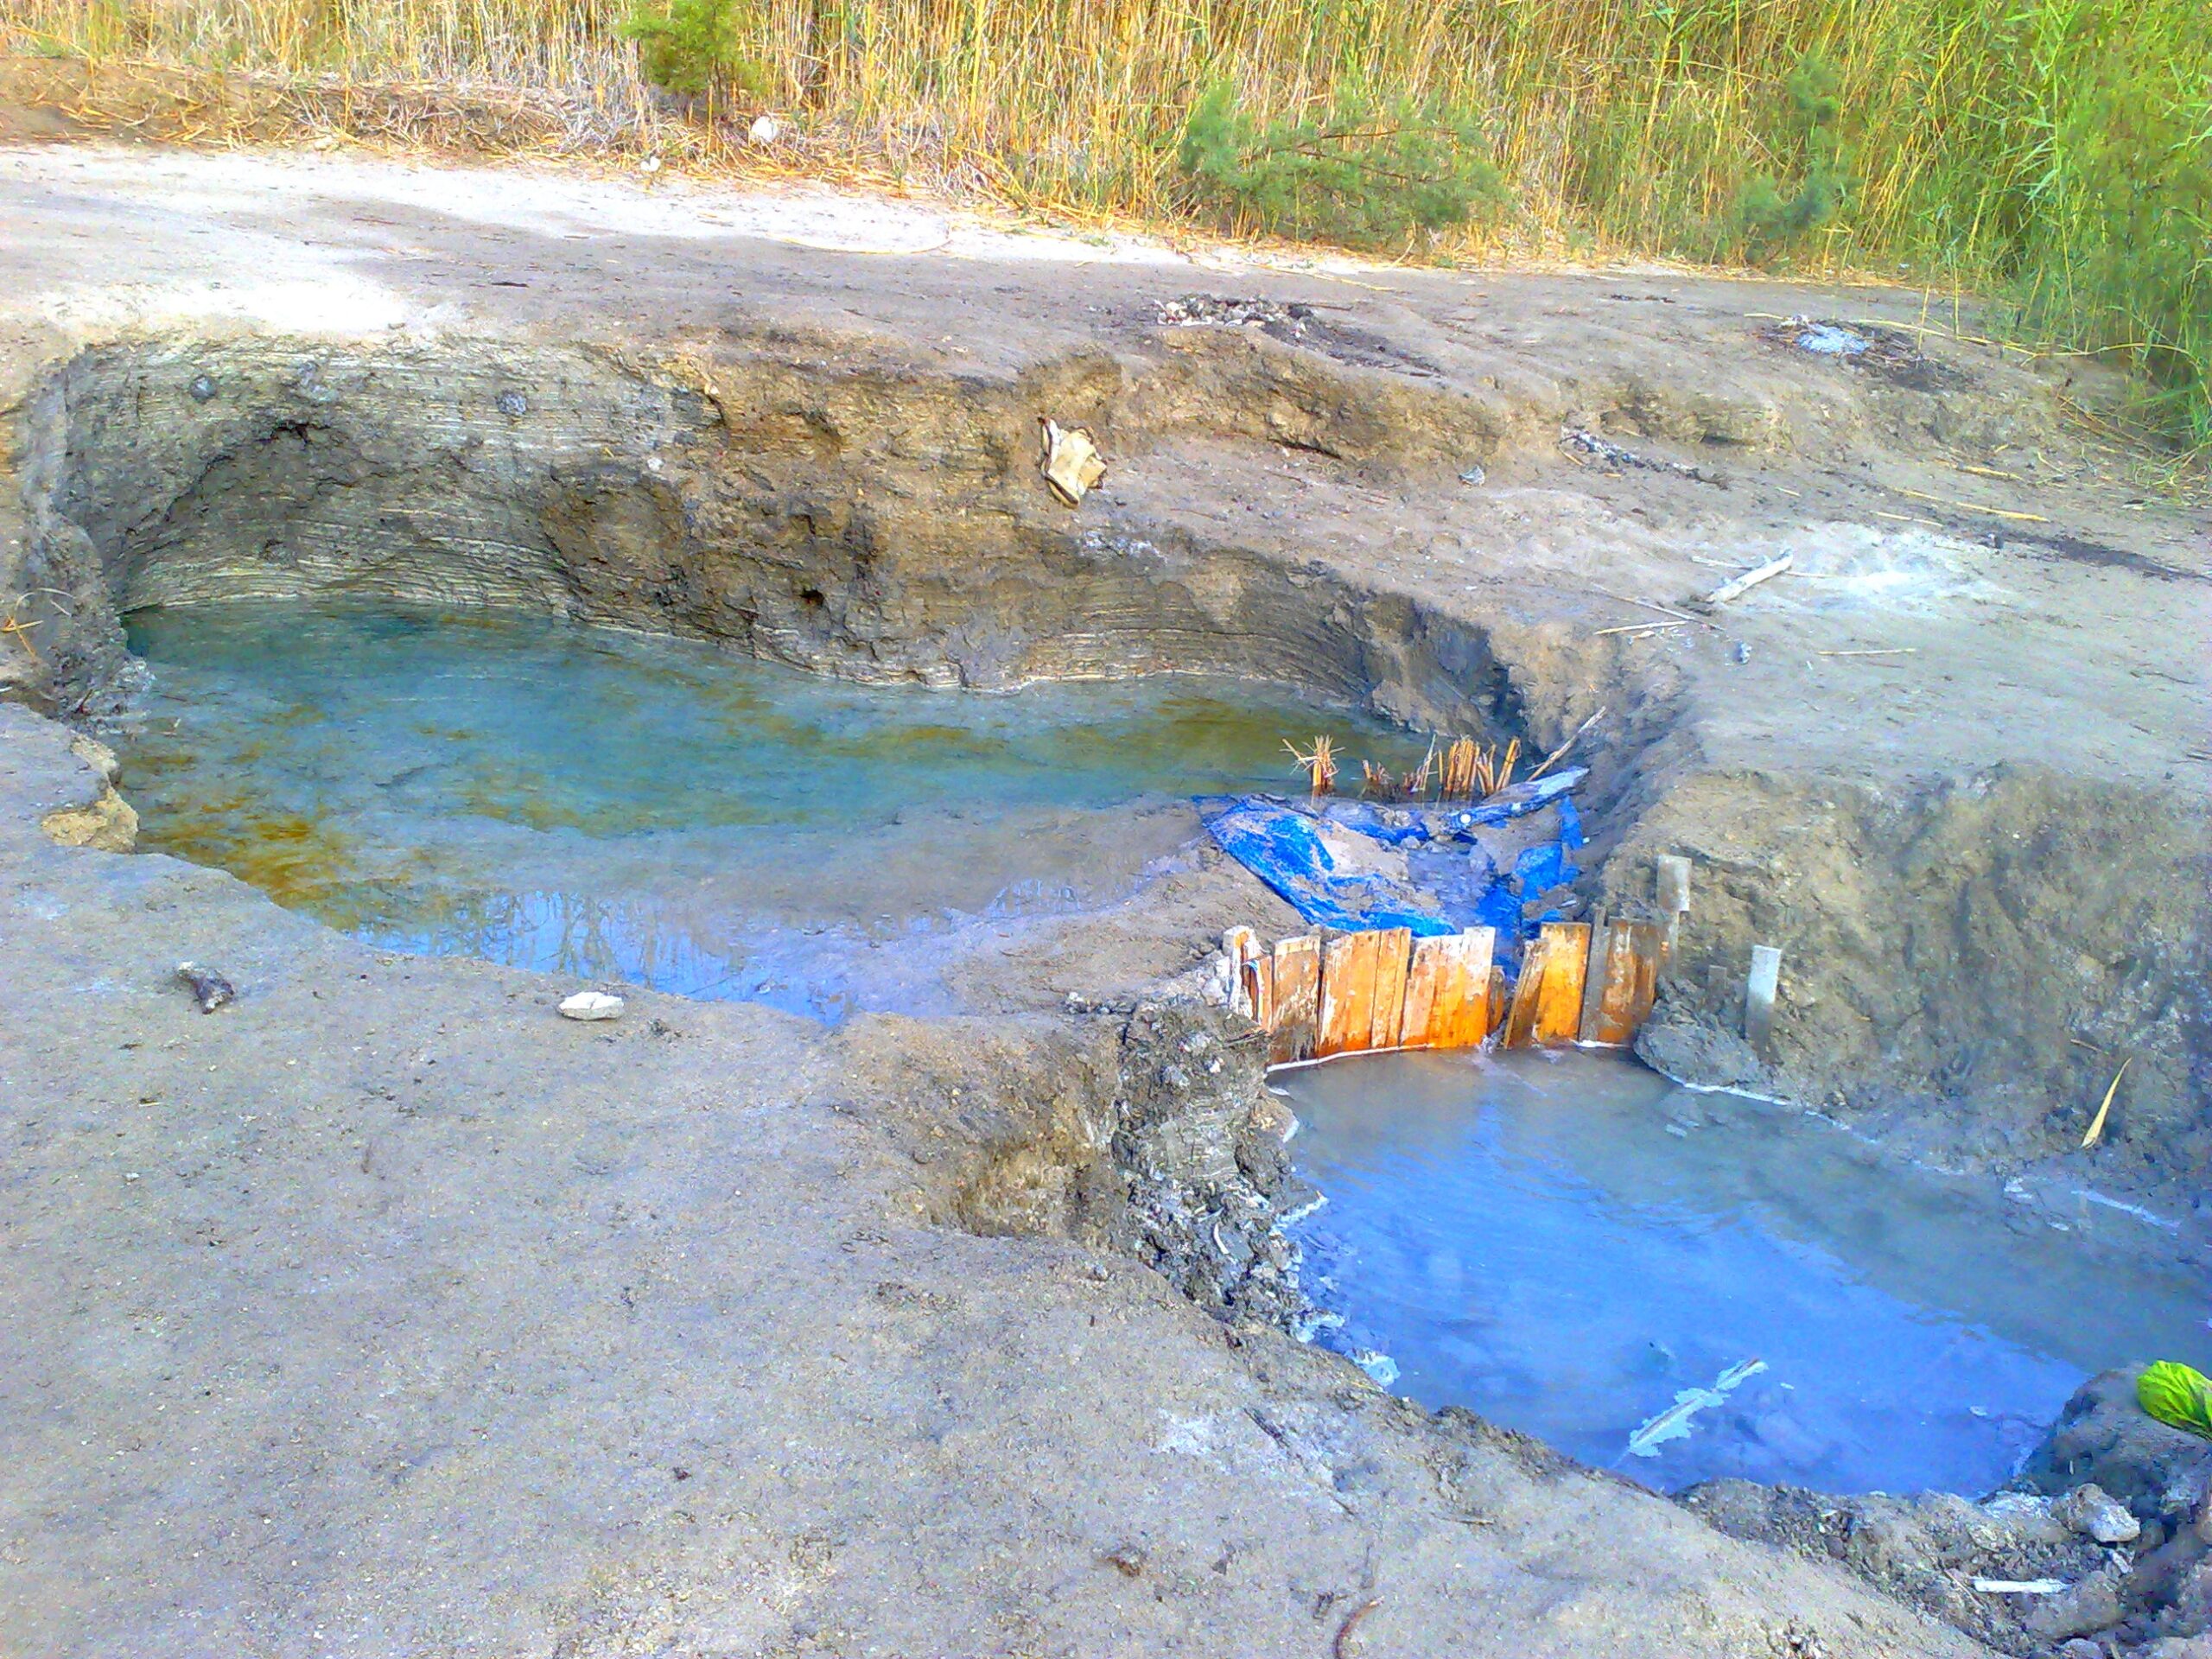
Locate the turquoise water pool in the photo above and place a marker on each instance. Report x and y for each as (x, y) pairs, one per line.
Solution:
(613, 806)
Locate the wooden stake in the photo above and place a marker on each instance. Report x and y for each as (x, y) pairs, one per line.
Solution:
(1631, 983)
(1260, 990)
(1296, 994)
(1392, 946)
(1593, 975)
(1347, 1017)
(1759, 989)
(1673, 895)
(1241, 946)
(1494, 1005)
(1467, 1014)
(1528, 994)
(1559, 999)
(1421, 1011)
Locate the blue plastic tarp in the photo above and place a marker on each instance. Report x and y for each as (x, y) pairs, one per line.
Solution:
(1356, 865)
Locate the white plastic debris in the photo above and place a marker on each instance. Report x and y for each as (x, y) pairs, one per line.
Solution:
(591, 1005)
(765, 130)
(1070, 461)
(2019, 1587)
(1674, 1423)
(1829, 340)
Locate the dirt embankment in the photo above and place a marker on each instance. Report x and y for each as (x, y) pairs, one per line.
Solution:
(1974, 931)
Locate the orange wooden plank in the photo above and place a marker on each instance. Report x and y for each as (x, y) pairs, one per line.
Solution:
(1559, 998)
(1295, 997)
(1466, 1018)
(1392, 947)
(1347, 1021)
(1614, 1024)
(1419, 1025)
(1527, 996)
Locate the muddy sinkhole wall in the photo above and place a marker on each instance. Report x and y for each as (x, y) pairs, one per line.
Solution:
(1965, 959)
(860, 524)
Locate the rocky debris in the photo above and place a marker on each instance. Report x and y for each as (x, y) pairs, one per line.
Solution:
(591, 1005)
(209, 987)
(1283, 321)
(2105, 1539)
(1929, 1550)
(1201, 1147)
(1616, 458)
(2104, 1439)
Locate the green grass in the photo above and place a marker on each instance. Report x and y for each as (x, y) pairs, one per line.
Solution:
(2055, 156)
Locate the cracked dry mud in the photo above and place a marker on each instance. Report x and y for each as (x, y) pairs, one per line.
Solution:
(385, 1312)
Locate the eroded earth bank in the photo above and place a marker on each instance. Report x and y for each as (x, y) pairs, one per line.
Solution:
(385, 1312)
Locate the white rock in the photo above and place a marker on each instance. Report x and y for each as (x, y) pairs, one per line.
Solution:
(591, 1005)
(2089, 1510)
(765, 130)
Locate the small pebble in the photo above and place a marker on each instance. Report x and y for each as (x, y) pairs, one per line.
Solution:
(209, 987)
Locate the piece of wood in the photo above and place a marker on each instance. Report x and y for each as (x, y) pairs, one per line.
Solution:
(1749, 580)
(1392, 947)
(1494, 1013)
(1466, 1016)
(1674, 896)
(1594, 974)
(1241, 945)
(1559, 999)
(1527, 996)
(1421, 1021)
(1296, 998)
(1760, 988)
(1259, 978)
(1631, 983)
(1347, 1021)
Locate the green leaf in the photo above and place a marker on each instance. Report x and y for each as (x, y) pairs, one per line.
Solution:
(2177, 1394)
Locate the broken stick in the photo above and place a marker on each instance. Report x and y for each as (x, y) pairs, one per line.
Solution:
(1741, 585)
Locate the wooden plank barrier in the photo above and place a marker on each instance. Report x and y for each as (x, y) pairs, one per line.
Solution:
(1592, 983)
(1317, 996)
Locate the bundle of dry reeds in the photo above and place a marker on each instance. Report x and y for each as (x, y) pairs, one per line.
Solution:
(1319, 764)
(1474, 770)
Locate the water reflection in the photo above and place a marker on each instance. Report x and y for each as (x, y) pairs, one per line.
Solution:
(1563, 1242)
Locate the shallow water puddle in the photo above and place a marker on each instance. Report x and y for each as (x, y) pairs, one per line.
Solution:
(607, 805)
(1565, 1243)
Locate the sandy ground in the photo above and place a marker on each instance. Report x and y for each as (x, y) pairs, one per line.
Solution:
(385, 1314)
